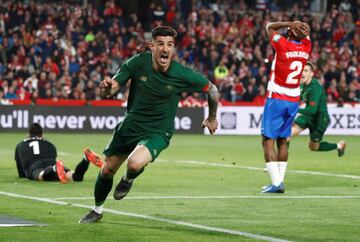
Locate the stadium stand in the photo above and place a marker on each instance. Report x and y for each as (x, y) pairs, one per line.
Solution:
(52, 51)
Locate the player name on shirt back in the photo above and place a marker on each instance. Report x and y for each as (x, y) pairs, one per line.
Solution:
(297, 54)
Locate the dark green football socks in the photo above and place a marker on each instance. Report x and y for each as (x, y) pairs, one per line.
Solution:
(325, 146)
(102, 188)
(131, 175)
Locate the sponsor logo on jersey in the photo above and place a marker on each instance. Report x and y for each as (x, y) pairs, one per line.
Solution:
(276, 37)
(143, 78)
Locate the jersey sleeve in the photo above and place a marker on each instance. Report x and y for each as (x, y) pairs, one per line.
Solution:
(195, 81)
(313, 102)
(126, 70)
(277, 41)
(18, 163)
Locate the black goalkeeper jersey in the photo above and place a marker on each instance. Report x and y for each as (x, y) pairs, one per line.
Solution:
(33, 151)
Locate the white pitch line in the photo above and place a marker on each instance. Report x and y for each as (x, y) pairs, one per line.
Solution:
(21, 225)
(142, 216)
(215, 197)
(194, 162)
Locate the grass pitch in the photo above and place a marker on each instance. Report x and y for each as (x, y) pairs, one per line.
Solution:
(202, 188)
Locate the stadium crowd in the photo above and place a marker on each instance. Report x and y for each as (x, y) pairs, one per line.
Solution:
(59, 50)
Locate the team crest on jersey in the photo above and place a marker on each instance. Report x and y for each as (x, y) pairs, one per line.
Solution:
(143, 78)
(276, 37)
(169, 87)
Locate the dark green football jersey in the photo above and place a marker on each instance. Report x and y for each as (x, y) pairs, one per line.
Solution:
(314, 96)
(154, 96)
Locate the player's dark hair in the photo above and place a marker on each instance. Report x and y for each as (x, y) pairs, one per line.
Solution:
(312, 66)
(163, 31)
(35, 130)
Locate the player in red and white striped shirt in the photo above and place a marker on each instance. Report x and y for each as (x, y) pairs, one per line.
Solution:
(283, 96)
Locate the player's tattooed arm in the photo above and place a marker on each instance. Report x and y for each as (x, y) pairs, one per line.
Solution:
(213, 98)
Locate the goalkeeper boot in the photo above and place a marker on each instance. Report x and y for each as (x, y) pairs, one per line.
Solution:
(91, 217)
(122, 189)
(94, 158)
(60, 171)
(341, 149)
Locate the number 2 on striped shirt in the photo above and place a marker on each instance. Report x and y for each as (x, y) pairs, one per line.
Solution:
(296, 67)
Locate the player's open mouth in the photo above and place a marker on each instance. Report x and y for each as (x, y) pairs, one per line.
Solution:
(164, 57)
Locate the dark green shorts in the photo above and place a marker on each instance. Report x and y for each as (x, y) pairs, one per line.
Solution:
(317, 126)
(123, 144)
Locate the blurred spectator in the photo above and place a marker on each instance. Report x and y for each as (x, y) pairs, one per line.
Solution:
(238, 90)
(158, 15)
(221, 72)
(51, 66)
(345, 6)
(10, 94)
(3, 100)
(332, 91)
